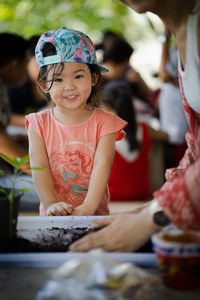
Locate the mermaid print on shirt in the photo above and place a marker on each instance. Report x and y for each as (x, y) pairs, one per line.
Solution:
(71, 170)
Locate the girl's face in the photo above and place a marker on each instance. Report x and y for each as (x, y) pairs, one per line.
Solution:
(72, 88)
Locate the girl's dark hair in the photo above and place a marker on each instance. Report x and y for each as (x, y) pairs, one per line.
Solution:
(117, 95)
(48, 50)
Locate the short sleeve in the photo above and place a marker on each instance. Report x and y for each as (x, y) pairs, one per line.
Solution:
(35, 122)
(112, 123)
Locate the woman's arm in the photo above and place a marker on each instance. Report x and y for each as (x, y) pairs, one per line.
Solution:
(99, 177)
(43, 179)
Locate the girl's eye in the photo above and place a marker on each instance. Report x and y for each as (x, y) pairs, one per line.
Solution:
(58, 79)
(79, 76)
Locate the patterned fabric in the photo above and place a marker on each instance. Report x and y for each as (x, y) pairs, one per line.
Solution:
(71, 46)
(71, 150)
(180, 195)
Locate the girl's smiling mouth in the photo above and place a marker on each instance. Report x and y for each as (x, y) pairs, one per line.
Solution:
(71, 97)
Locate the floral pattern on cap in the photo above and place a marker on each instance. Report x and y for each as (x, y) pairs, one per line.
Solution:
(70, 45)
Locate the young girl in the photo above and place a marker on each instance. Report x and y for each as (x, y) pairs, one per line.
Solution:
(73, 140)
(130, 172)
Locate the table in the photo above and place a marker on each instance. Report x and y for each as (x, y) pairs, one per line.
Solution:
(124, 206)
(114, 207)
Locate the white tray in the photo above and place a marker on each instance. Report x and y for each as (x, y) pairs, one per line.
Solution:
(60, 222)
(52, 260)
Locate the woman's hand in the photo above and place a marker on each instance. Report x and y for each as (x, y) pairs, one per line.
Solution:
(59, 209)
(124, 232)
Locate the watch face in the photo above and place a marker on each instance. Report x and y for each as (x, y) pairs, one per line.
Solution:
(160, 218)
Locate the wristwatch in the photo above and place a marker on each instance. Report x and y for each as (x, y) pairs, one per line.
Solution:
(158, 215)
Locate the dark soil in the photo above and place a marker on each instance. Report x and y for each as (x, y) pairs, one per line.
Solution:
(43, 240)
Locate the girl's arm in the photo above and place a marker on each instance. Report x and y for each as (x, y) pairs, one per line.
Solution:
(99, 177)
(42, 179)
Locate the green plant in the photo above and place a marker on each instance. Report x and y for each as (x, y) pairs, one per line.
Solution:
(11, 193)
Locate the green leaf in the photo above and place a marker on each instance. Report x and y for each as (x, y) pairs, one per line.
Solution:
(16, 162)
(36, 168)
(2, 172)
(12, 161)
(22, 160)
(3, 191)
(11, 196)
(24, 190)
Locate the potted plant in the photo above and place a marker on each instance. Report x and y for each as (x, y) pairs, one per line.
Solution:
(10, 197)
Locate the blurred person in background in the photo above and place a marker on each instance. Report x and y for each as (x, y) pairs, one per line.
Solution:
(130, 172)
(171, 112)
(116, 57)
(13, 62)
(13, 71)
(27, 98)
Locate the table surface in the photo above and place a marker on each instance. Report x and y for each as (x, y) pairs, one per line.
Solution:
(25, 283)
(114, 207)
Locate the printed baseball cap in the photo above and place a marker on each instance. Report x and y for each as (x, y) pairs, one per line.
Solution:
(71, 46)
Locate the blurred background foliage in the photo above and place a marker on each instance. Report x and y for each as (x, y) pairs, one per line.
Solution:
(29, 17)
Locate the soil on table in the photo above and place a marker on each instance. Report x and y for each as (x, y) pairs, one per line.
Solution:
(43, 240)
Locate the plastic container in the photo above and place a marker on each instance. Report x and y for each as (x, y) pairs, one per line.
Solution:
(178, 257)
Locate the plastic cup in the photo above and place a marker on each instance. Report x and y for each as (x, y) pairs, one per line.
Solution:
(178, 256)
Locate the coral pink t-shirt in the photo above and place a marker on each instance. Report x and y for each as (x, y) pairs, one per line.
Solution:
(71, 150)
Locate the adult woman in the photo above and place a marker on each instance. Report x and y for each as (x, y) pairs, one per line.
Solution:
(179, 197)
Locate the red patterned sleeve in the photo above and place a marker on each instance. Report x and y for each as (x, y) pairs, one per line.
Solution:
(180, 199)
(180, 195)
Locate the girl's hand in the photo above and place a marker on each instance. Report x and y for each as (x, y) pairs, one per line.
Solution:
(59, 209)
(82, 210)
(123, 233)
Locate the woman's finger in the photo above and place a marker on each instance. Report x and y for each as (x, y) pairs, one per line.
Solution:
(104, 221)
(101, 222)
(93, 240)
